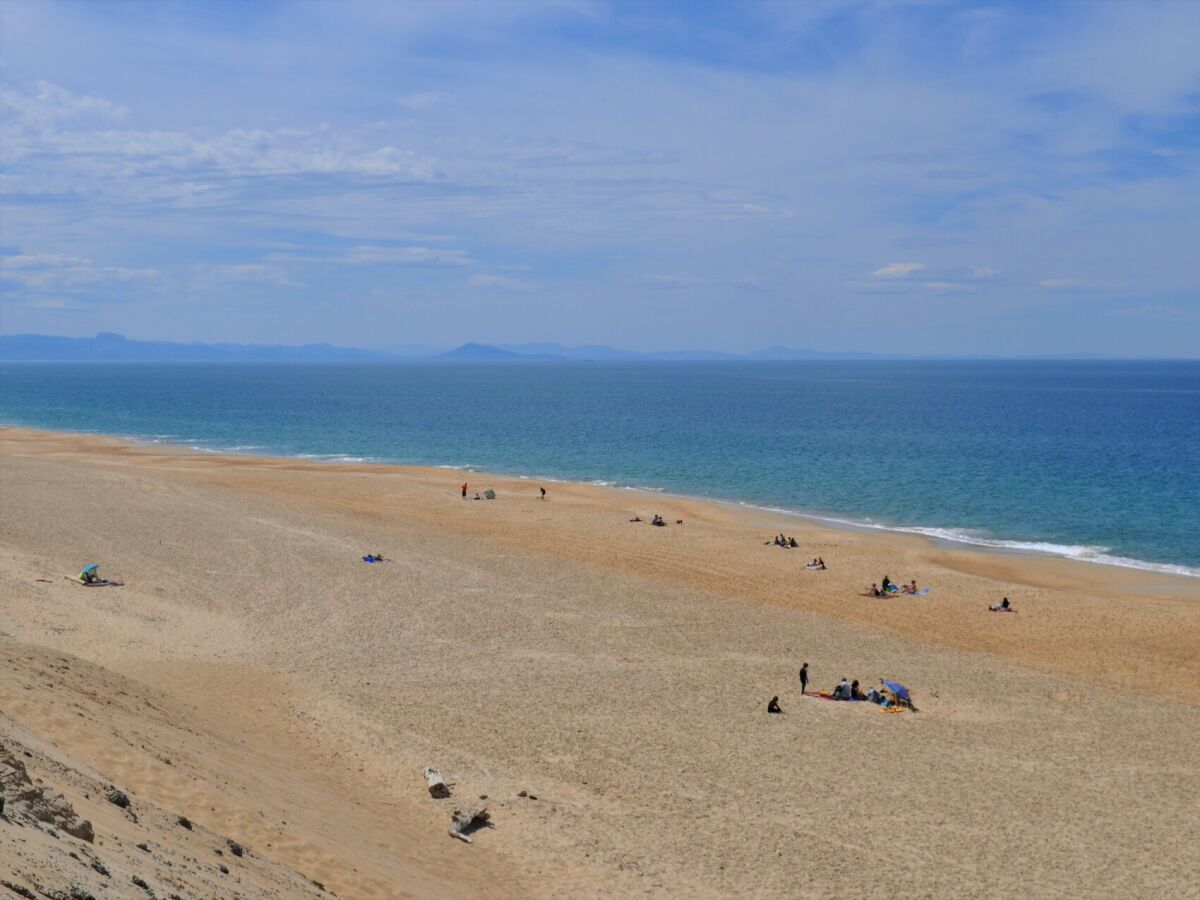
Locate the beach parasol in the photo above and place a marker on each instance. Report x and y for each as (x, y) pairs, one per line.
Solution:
(92, 568)
(898, 689)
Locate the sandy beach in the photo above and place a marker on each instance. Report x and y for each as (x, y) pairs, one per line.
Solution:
(255, 676)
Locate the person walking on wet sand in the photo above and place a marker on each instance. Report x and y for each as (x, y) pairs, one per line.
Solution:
(804, 679)
(464, 489)
(543, 490)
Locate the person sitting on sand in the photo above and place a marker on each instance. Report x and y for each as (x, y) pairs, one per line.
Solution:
(855, 692)
(886, 584)
(909, 588)
(477, 497)
(792, 542)
(1002, 606)
(657, 520)
(842, 691)
(821, 563)
(874, 696)
(875, 591)
(773, 706)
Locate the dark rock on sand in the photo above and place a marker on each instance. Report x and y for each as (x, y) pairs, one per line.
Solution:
(117, 798)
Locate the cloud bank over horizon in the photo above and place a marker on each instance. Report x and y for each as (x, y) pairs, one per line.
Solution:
(995, 178)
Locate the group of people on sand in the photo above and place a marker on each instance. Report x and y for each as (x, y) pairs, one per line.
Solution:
(782, 540)
(851, 691)
(818, 563)
(888, 588)
(656, 520)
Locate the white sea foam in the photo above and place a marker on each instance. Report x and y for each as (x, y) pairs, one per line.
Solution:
(1081, 552)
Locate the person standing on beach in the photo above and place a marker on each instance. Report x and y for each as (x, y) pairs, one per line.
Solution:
(464, 489)
(543, 490)
(804, 679)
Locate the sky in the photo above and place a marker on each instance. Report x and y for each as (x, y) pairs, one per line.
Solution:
(916, 177)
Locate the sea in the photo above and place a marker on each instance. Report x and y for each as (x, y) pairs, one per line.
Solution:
(1095, 461)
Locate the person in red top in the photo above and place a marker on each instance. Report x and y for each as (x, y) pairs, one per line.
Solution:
(464, 490)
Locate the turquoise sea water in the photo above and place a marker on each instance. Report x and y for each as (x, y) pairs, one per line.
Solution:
(1096, 460)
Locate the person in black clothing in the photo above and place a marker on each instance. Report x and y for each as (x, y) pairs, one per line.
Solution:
(543, 490)
(804, 679)
(773, 706)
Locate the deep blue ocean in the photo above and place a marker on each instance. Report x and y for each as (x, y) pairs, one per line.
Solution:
(1096, 460)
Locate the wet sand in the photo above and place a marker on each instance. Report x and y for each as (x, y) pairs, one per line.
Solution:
(616, 671)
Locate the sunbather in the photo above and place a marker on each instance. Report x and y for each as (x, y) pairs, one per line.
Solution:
(1002, 606)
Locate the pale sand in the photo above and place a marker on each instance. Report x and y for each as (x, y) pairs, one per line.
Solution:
(618, 672)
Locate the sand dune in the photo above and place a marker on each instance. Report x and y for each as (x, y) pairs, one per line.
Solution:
(617, 672)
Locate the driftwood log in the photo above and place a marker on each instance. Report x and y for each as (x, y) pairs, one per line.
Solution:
(467, 821)
(438, 788)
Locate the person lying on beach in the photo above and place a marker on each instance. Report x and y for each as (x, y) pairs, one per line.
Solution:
(89, 576)
(773, 706)
(1002, 606)
(636, 519)
(874, 696)
(373, 558)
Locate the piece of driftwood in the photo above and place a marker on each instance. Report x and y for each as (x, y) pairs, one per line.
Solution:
(467, 821)
(438, 788)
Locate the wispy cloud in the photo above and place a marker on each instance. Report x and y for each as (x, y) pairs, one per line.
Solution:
(52, 271)
(406, 256)
(499, 281)
(897, 270)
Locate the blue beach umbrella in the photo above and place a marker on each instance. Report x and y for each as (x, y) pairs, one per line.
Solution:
(898, 689)
(92, 568)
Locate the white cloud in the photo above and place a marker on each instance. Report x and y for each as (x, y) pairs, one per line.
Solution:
(406, 256)
(47, 271)
(254, 273)
(499, 281)
(984, 273)
(897, 270)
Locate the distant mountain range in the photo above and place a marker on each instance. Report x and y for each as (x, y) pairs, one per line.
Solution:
(109, 347)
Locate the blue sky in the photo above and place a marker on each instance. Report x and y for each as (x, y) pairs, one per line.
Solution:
(1002, 178)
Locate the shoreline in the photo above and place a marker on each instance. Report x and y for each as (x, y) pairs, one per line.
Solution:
(951, 539)
(1167, 579)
